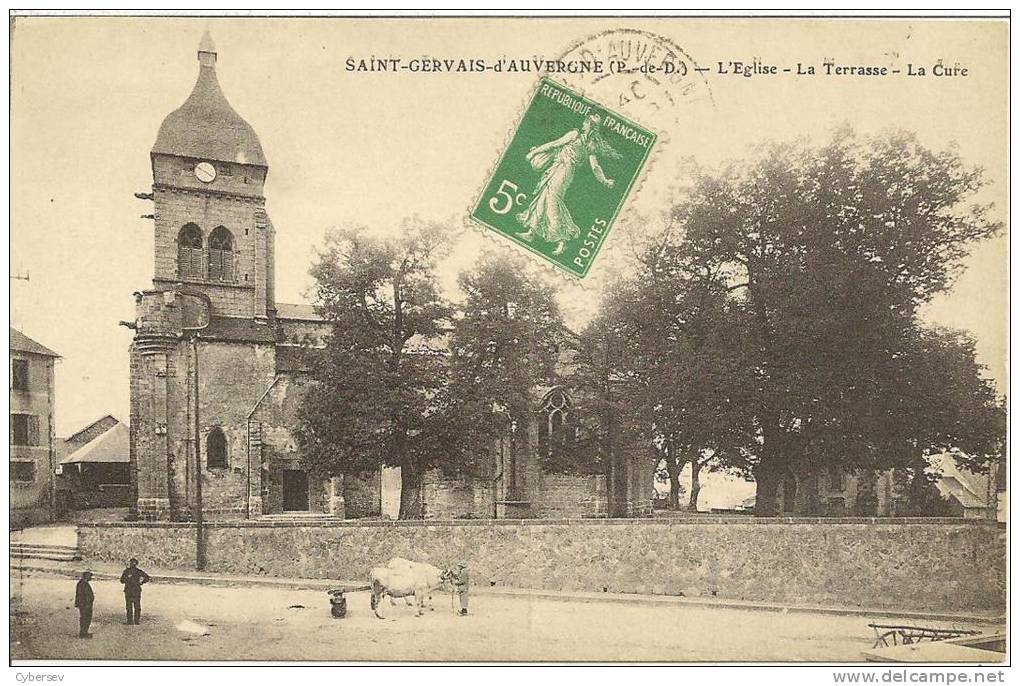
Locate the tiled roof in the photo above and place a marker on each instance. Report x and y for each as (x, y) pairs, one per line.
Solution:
(111, 446)
(23, 344)
(238, 330)
(207, 127)
(101, 425)
(950, 486)
(297, 311)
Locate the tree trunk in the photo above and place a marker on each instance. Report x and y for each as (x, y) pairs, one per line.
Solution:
(673, 469)
(767, 479)
(410, 493)
(692, 506)
(918, 484)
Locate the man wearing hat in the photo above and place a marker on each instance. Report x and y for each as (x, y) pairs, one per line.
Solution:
(461, 583)
(83, 599)
(133, 578)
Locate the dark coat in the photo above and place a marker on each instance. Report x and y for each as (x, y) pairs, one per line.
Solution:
(83, 595)
(133, 580)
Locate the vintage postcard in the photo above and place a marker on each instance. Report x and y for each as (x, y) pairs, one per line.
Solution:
(509, 339)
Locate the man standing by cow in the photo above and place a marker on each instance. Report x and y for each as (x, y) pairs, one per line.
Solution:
(462, 583)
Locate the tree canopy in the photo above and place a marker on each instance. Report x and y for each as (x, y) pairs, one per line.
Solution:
(831, 250)
(382, 377)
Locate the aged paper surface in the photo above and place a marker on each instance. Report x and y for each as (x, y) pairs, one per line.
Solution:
(135, 202)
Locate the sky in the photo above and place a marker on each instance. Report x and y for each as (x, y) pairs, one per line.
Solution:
(88, 96)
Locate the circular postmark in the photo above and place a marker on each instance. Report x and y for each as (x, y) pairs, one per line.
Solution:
(644, 75)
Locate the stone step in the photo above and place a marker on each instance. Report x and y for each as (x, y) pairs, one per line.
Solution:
(42, 546)
(299, 515)
(57, 553)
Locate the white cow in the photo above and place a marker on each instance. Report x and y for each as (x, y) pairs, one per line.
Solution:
(402, 578)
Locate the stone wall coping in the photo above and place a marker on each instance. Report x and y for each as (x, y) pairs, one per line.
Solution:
(591, 521)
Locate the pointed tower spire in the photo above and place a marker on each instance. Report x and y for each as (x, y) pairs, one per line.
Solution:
(207, 50)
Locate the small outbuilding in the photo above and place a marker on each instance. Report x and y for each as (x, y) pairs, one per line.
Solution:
(95, 471)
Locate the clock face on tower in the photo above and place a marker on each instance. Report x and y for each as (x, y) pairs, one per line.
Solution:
(205, 172)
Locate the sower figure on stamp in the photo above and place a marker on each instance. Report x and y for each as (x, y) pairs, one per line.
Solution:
(559, 160)
(461, 582)
(83, 600)
(133, 578)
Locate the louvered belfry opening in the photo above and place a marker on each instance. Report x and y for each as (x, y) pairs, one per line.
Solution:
(221, 255)
(189, 252)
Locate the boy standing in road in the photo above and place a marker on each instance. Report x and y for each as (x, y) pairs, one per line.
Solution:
(83, 600)
(133, 578)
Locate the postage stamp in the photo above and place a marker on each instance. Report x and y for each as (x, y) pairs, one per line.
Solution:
(564, 176)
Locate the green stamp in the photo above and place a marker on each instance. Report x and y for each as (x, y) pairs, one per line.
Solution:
(564, 177)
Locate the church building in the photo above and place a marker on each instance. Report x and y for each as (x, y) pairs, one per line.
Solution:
(217, 366)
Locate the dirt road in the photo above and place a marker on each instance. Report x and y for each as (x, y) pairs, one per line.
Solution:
(281, 624)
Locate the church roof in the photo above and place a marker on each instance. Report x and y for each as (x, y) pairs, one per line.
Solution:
(238, 330)
(206, 126)
(23, 344)
(298, 311)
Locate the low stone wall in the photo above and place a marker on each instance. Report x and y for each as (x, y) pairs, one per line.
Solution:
(908, 564)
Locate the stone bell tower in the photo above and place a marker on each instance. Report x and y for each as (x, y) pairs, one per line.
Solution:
(204, 343)
(208, 173)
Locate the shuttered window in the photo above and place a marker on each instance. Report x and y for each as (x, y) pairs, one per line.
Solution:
(19, 375)
(189, 252)
(221, 255)
(24, 429)
(23, 471)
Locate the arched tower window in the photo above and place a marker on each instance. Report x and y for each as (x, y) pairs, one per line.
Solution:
(221, 255)
(189, 252)
(216, 449)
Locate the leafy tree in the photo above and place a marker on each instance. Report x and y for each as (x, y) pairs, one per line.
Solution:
(944, 405)
(681, 378)
(505, 344)
(612, 421)
(831, 251)
(380, 395)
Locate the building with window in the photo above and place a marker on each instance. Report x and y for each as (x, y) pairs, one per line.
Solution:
(32, 457)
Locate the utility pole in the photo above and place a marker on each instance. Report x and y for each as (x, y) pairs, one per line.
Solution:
(197, 513)
(17, 277)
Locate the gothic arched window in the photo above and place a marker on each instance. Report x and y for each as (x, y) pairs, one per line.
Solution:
(189, 252)
(216, 449)
(221, 255)
(552, 430)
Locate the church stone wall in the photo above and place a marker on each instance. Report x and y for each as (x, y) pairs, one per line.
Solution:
(363, 495)
(174, 209)
(567, 495)
(232, 376)
(447, 497)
